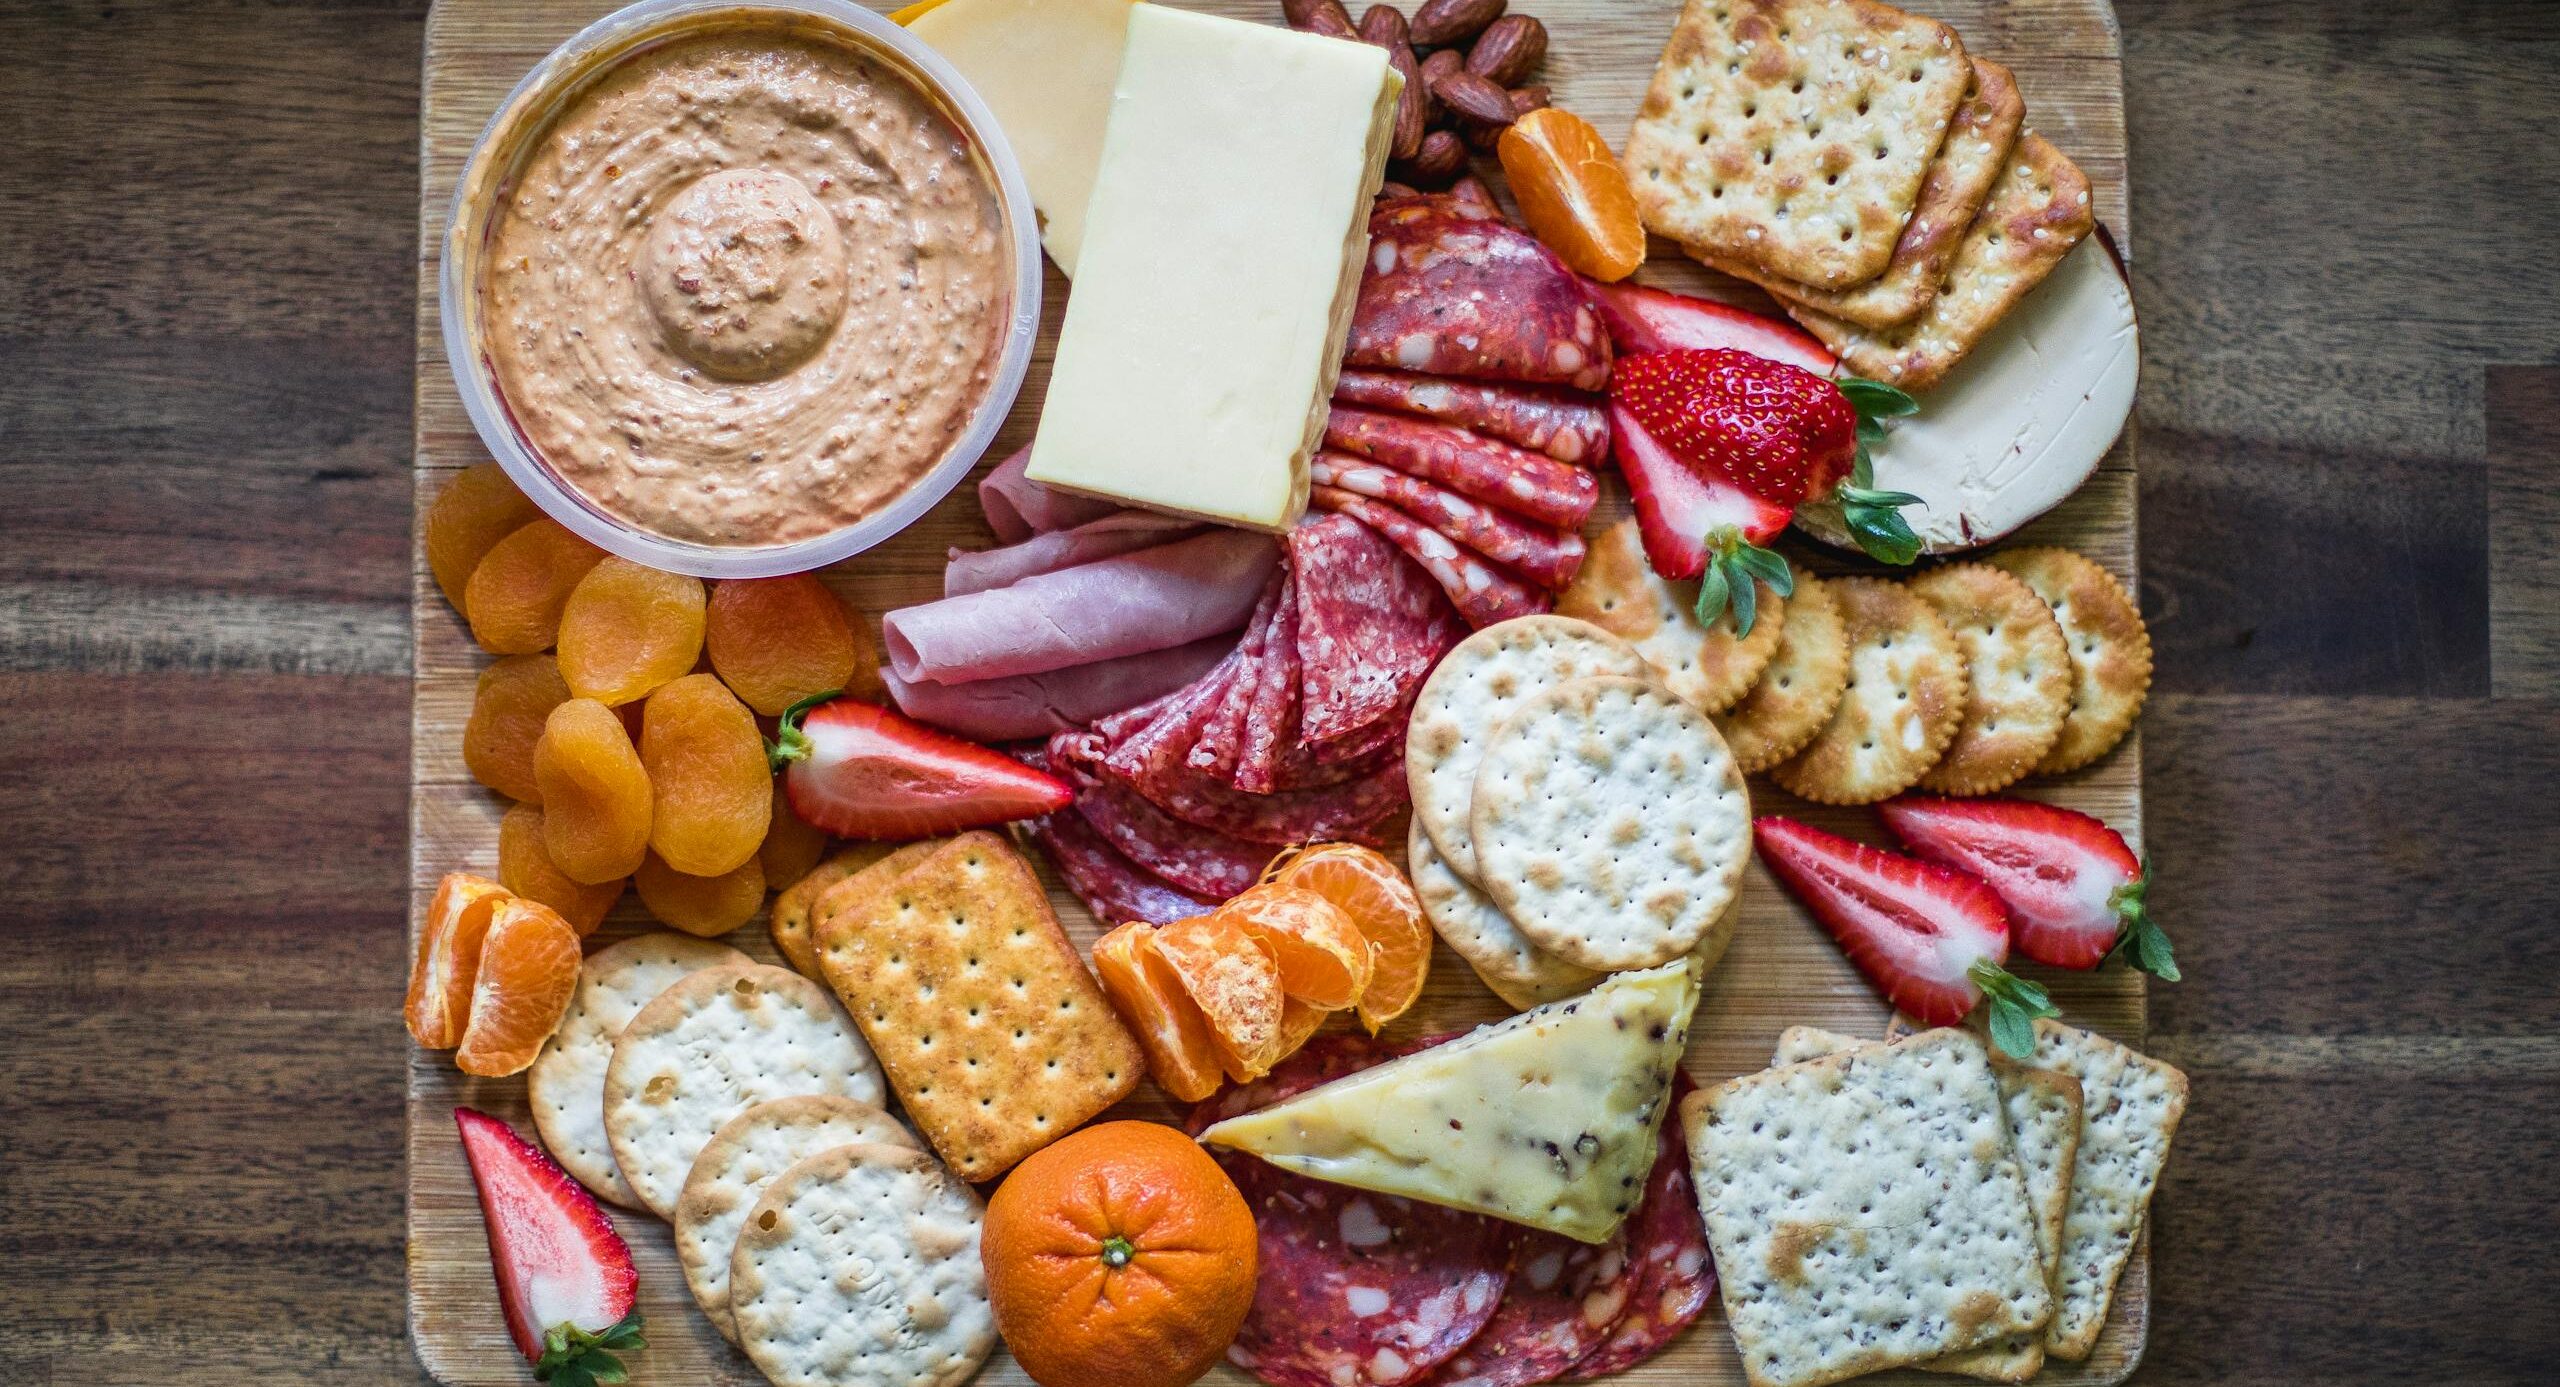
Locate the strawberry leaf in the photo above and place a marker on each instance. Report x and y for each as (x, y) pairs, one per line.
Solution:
(1875, 521)
(1735, 568)
(1766, 566)
(2013, 1005)
(572, 1357)
(1873, 399)
(789, 743)
(2140, 943)
(1745, 599)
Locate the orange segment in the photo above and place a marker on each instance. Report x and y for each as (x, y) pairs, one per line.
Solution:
(1298, 1022)
(1143, 989)
(528, 969)
(1369, 889)
(1234, 983)
(449, 944)
(1572, 192)
(1323, 958)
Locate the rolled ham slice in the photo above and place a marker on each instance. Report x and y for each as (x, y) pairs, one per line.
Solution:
(1018, 508)
(1121, 532)
(1035, 705)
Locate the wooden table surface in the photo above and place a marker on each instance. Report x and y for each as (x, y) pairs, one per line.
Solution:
(2351, 435)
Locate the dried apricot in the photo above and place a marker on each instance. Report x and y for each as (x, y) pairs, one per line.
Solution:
(1572, 192)
(1143, 989)
(791, 847)
(525, 868)
(515, 595)
(707, 763)
(528, 971)
(449, 940)
(627, 629)
(479, 507)
(596, 802)
(1323, 958)
(706, 906)
(508, 708)
(776, 641)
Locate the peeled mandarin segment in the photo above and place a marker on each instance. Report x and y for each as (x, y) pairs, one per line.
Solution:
(1323, 957)
(508, 708)
(528, 971)
(525, 868)
(706, 762)
(1369, 889)
(1232, 979)
(1573, 193)
(516, 593)
(627, 629)
(704, 906)
(479, 507)
(1150, 999)
(776, 641)
(596, 801)
(1298, 1022)
(791, 846)
(450, 940)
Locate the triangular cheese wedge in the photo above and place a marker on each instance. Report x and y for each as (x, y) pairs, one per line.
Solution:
(1547, 1118)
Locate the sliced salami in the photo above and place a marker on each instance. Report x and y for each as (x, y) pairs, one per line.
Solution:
(1530, 485)
(1563, 1300)
(1223, 737)
(1449, 294)
(1546, 557)
(1666, 1242)
(1369, 626)
(1114, 888)
(1566, 425)
(1173, 731)
(1204, 863)
(1271, 723)
(1353, 810)
(1482, 594)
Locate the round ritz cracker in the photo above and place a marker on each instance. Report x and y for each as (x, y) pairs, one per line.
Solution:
(859, 1267)
(1799, 690)
(1710, 666)
(566, 1083)
(741, 1159)
(1469, 694)
(1610, 823)
(2110, 650)
(1903, 702)
(2017, 677)
(712, 1046)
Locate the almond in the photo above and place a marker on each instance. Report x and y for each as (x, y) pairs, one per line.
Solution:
(1413, 104)
(1508, 50)
(1473, 97)
(1327, 17)
(1384, 26)
(1442, 22)
(1442, 158)
(1527, 99)
(1299, 12)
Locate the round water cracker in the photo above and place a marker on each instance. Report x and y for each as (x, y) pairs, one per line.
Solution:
(1800, 689)
(566, 1084)
(2110, 650)
(1472, 691)
(2017, 677)
(1711, 667)
(1475, 929)
(859, 1267)
(1610, 823)
(1904, 700)
(741, 1159)
(712, 1046)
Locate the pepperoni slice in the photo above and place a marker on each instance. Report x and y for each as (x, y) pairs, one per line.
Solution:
(1546, 557)
(1482, 593)
(1566, 425)
(1530, 485)
(1666, 1242)
(1448, 294)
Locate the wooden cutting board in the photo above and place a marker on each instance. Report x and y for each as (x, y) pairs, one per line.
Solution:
(1781, 969)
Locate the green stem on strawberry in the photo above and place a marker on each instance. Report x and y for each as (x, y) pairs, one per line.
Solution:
(2140, 943)
(1735, 569)
(1874, 517)
(572, 1357)
(789, 743)
(2012, 1004)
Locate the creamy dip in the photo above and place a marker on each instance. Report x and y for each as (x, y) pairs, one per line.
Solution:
(747, 287)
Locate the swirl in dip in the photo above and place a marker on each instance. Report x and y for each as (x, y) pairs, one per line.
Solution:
(746, 287)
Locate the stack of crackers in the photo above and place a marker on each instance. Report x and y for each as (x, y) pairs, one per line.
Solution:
(1927, 1204)
(1858, 164)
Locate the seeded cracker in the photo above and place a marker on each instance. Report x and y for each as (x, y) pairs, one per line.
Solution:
(1794, 134)
(1904, 700)
(733, 1170)
(2110, 650)
(1798, 692)
(2017, 677)
(1711, 667)
(2133, 1104)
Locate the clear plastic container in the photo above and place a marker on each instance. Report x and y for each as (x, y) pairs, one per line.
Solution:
(529, 109)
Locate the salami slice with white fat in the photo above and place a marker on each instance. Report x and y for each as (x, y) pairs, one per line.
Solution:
(1205, 864)
(1369, 626)
(1566, 425)
(1564, 1298)
(1353, 810)
(1223, 737)
(1177, 726)
(1530, 485)
(1546, 557)
(1666, 1247)
(1271, 722)
(1482, 593)
(1115, 889)
(1448, 294)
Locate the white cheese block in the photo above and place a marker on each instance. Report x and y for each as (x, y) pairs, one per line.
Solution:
(1222, 251)
(1547, 1118)
(1046, 68)
(2022, 422)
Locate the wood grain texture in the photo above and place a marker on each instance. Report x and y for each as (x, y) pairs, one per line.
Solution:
(1781, 969)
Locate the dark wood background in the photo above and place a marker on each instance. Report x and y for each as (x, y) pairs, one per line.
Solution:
(2351, 486)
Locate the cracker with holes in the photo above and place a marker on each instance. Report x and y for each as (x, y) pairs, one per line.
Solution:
(1711, 666)
(2110, 650)
(1799, 690)
(1978, 142)
(1865, 1210)
(1795, 134)
(859, 1267)
(2017, 677)
(566, 1084)
(711, 1046)
(742, 1158)
(797, 911)
(2133, 1103)
(1610, 824)
(2037, 212)
(1903, 703)
(1476, 930)
(994, 1035)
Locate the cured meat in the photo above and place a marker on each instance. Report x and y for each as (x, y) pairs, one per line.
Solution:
(1472, 198)
(1531, 485)
(1448, 294)
(1352, 810)
(1369, 627)
(1223, 737)
(1271, 721)
(1114, 888)
(1122, 532)
(1666, 1242)
(1566, 425)
(1168, 736)
(1563, 1300)
(1481, 594)
(1154, 599)
(1034, 705)
(1204, 863)
(1017, 507)
(1546, 557)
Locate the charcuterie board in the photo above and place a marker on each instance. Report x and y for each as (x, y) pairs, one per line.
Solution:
(1780, 970)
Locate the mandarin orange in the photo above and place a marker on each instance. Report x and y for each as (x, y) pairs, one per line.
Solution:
(1232, 979)
(1324, 959)
(1572, 192)
(1149, 997)
(528, 970)
(1367, 887)
(450, 938)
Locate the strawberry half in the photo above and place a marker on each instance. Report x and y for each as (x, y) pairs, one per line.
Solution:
(1929, 938)
(1642, 320)
(565, 1278)
(1698, 526)
(858, 770)
(2073, 888)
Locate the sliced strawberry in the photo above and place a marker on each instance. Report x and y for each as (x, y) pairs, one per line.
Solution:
(1775, 430)
(1642, 320)
(858, 770)
(1700, 527)
(1929, 938)
(2073, 888)
(565, 1277)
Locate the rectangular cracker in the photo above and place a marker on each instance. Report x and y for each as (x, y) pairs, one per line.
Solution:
(2133, 1104)
(1865, 1210)
(1978, 142)
(973, 998)
(2037, 212)
(1794, 134)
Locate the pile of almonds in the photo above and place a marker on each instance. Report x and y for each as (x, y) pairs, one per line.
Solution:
(1464, 63)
